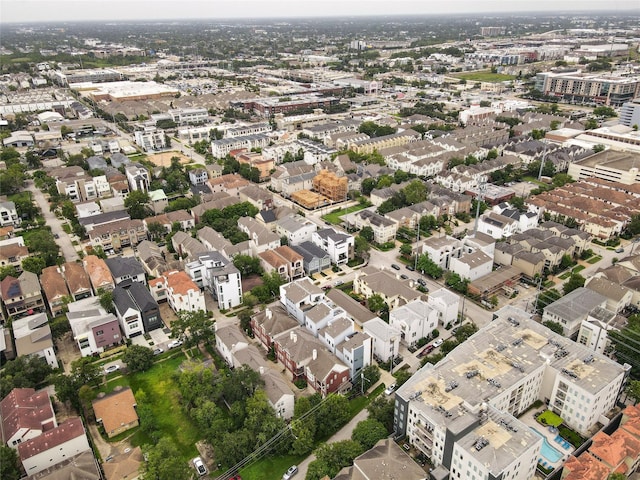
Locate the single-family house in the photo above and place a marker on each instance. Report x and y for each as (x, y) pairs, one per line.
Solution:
(446, 303)
(55, 289)
(385, 339)
(179, 290)
(125, 270)
(339, 246)
(315, 259)
(21, 296)
(261, 238)
(77, 280)
(99, 274)
(296, 229)
(25, 414)
(472, 266)
(214, 272)
(395, 292)
(116, 411)
(299, 296)
(230, 339)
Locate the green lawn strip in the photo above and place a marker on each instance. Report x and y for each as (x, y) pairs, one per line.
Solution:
(162, 395)
(595, 259)
(577, 269)
(486, 76)
(550, 418)
(564, 276)
(270, 467)
(334, 217)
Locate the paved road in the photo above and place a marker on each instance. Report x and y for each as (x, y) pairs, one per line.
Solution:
(63, 240)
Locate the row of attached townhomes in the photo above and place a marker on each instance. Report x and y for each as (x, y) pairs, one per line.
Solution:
(462, 412)
(30, 427)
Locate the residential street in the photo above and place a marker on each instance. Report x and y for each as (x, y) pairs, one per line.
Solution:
(66, 247)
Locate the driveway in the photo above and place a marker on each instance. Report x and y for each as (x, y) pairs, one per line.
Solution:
(63, 240)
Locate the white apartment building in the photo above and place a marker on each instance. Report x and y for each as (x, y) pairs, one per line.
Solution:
(415, 320)
(446, 303)
(150, 139)
(594, 329)
(180, 291)
(214, 272)
(137, 177)
(461, 412)
(9, 214)
(339, 246)
(386, 339)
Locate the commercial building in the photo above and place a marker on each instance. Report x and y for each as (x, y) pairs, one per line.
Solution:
(577, 87)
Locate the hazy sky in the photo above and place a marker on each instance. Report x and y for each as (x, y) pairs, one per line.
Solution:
(63, 10)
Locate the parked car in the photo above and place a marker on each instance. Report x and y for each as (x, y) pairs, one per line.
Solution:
(338, 282)
(389, 390)
(426, 350)
(422, 282)
(200, 468)
(56, 236)
(395, 266)
(404, 277)
(174, 343)
(293, 469)
(111, 369)
(157, 351)
(437, 343)
(410, 268)
(619, 250)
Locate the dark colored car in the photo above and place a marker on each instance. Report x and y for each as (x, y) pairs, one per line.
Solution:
(426, 350)
(410, 268)
(395, 267)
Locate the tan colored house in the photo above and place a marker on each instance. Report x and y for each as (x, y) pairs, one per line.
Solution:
(116, 412)
(99, 273)
(55, 289)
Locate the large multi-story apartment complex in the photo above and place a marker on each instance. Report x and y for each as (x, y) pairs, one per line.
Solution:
(577, 87)
(630, 113)
(462, 412)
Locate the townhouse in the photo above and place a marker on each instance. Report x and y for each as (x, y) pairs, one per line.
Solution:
(284, 260)
(182, 218)
(117, 235)
(9, 214)
(136, 309)
(94, 329)
(211, 270)
(32, 335)
(21, 296)
(99, 274)
(296, 229)
(177, 288)
(126, 270)
(384, 230)
(415, 320)
(55, 289)
(395, 292)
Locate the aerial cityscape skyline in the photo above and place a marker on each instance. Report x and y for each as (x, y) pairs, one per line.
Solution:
(14, 11)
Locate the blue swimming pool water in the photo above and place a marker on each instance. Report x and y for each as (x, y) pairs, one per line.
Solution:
(551, 454)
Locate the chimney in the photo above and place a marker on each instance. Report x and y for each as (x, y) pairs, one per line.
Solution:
(315, 354)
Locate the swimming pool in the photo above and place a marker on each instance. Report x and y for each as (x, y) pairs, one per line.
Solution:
(551, 454)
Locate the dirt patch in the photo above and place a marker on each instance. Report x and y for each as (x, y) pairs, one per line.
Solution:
(250, 282)
(164, 159)
(167, 314)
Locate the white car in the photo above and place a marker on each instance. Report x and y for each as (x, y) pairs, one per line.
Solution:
(111, 369)
(293, 469)
(200, 468)
(437, 343)
(174, 343)
(389, 390)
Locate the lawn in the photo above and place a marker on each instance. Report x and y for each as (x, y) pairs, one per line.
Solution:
(485, 76)
(161, 394)
(578, 269)
(270, 467)
(334, 218)
(550, 418)
(595, 259)
(564, 276)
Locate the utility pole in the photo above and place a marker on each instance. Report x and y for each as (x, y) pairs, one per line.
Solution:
(362, 379)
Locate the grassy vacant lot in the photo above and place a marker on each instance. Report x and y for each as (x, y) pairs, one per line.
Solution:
(334, 218)
(486, 76)
(161, 394)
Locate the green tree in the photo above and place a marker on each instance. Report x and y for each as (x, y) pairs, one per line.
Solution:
(381, 409)
(156, 230)
(575, 281)
(164, 462)
(137, 204)
(8, 271)
(605, 111)
(334, 414)
(33, 265)
(193, 327)
(428, 266)
(9, 463)
(332, 457)
(368, 432)
(23, 372)
(617, 476)
(361, 247)
(554, 327)
(368, 184)
(106, 300)
(367, 234)
(598, 148)
(633, 390)
(415, 192)
(406, 249)
(402, 376)
(303, 434)
(465, 331)
(41, 242)
(376, 303)
(138, 358)
(591, 124)
(369, 376)
(247, 265)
